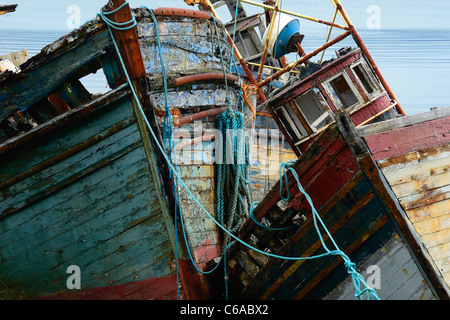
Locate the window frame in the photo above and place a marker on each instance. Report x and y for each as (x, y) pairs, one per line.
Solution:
(312, 129)
(338, 103)
(371, 78)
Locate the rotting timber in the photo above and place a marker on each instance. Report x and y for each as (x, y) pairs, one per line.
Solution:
(84, 183)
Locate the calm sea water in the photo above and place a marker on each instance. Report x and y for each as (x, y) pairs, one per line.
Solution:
(415, 62)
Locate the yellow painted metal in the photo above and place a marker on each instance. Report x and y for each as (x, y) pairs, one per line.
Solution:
(329, 34)
(266, 46)
(298, 15)
(268, 67)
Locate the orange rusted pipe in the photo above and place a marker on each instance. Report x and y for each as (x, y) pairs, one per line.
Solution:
(205, 77)
(197, 116)
(190, 142)
(181, 13)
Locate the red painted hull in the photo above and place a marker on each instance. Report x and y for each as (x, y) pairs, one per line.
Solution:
(151, 289)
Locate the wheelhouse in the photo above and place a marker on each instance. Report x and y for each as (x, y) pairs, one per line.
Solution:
(346, 84)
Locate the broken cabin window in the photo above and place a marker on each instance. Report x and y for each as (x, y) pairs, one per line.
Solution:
(305, 114)
(314, 108)
(360, 70)
(342, 91)
(291, 122)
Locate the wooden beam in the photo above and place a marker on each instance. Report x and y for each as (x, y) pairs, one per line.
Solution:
(126, 40)
(388, 125)
(22, 90)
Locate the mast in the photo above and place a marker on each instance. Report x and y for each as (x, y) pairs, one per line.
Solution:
(348, 28)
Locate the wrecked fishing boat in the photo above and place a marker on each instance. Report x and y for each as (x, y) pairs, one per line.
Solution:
(130, 195)
(85, 191)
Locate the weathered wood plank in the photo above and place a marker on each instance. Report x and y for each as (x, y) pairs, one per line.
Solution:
(425, 198)
(443, 250)
(436, 238)
(414, 187)
(22, 159)
(70, 167)
(23, 92)
(117, 252)
(66, 181)
(388, 125)
(423, 165)
(390, 259)
(429, 211)
(110, 225)
(64, 120)
(79, 222)
(187, 44)
(89, 186)
(63, 213)
(408, 139)
(17, 57)
(434, 224)
(308, 244)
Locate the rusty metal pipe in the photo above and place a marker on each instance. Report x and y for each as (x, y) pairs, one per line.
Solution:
(190, 142)
(189, 13)
(205, 77)
(198, 116)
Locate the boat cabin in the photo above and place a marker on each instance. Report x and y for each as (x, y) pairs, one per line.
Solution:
(346, 83)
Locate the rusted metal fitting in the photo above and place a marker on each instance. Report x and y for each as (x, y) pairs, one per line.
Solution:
(205, 77)
(181, 13)
(198, 116)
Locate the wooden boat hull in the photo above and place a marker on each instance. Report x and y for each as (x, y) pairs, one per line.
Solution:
(88, 188)
(360, 217)
(88, 197)
(413, 154)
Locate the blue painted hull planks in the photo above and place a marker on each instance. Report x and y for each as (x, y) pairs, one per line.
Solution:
(86, 187)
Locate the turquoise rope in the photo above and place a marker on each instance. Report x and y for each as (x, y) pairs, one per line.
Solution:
(356, 277)
(168, 142)
(167, 116)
